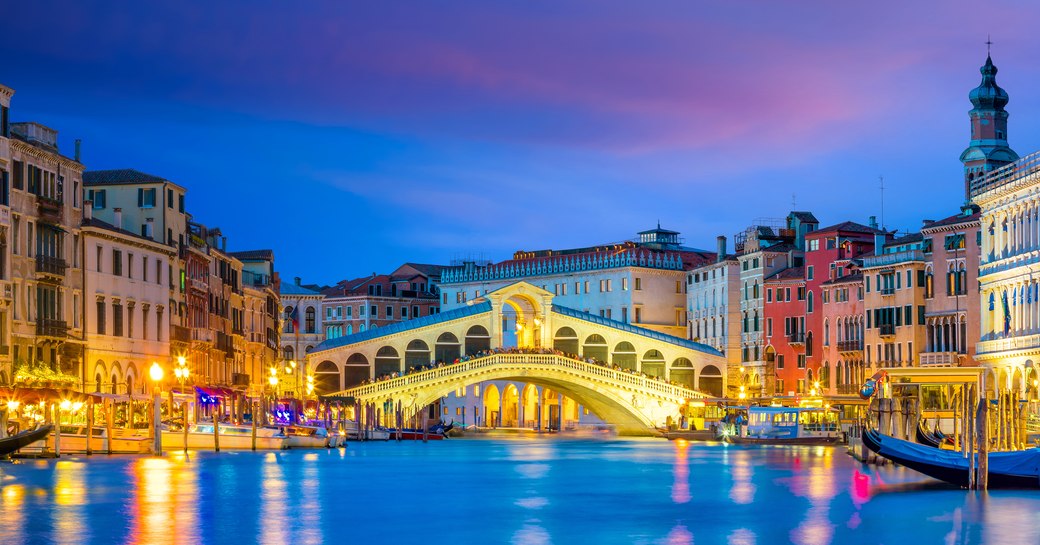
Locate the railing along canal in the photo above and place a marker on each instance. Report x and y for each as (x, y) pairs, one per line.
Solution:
(527, 361)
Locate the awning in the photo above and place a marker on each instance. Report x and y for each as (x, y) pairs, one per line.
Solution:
(214, 391)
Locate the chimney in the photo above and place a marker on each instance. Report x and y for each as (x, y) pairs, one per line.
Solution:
(720, 253)
(873, 222)
(119, 217)
(88, 210)
(76, 156)
(297, 280)
(223, 244)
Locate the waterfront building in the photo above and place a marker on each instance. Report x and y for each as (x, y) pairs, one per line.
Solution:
(260, 285)
(783, 314)
(1008, 194)
(40, 215)
(713, 304)
(764, 249)
(301, 320)
(127, 293)
(641, 281)
(353, 306)
(894, 285)
(830, 253)
(952, 310)
(844, 318)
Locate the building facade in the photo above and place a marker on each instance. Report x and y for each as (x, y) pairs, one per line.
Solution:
(713, 305)
(640, 282)
(127, 293)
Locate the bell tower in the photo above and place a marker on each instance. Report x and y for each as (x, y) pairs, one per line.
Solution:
(989, 148)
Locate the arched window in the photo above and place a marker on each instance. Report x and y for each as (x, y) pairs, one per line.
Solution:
(309, 324)
(287, 353)
(827, 333)
(809, 302)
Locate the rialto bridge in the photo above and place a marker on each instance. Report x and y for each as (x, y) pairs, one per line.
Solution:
(628, 376)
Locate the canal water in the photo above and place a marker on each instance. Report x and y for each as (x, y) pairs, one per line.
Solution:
(521, 491)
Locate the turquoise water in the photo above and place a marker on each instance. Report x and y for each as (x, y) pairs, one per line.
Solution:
(523, 491)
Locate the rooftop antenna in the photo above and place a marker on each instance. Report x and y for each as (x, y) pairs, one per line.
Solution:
(794, 202)
(882, 179)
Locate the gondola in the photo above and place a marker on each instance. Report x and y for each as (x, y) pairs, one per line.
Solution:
(927, 438)
(10, 445)
(1018, 469)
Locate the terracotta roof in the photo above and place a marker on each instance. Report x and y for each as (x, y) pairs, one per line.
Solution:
(953, 220)
(855, 277)
(847, 226)
(790, 273)
(254, 254)
(119, 176)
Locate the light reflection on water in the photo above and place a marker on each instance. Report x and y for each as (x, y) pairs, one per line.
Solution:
(526, 492)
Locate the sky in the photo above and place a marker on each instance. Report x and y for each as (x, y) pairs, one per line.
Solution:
(351, 137)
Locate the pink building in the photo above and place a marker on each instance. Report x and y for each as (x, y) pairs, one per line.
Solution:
(843, 316)
(952, 309)
(786, 343)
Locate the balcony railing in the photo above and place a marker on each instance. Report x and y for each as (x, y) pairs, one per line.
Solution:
(1024, 342)
(850, 346)
(886, 329)
(180, 333)
(893, 258)
(54, 266)
(887, 291)
(939, 359)
(796, 338)
(51, 328)
(48, 209)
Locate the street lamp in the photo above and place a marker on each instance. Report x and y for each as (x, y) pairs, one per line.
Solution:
(156, 374)
(181, 372)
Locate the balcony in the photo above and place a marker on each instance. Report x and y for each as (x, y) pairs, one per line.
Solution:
(202, 335)
(939, 359)
(1024, 342)
(199, 285)
(240, 379)
(886, 330)
(48, 209)
(892, 259)
(179, 333)
(47, 266)
(56, 329)
(887, 291)
(850, 346)
(796, 338)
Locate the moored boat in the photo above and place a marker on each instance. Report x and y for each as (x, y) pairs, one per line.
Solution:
(12, 444)
(1017, 469)
(788, 426)
(232, 437)
(308, 437)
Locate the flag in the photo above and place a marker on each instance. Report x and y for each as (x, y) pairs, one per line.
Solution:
(294, 317)
(1007, 313)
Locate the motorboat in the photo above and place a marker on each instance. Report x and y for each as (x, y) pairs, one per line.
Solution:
(436, 432)
(308, 437)
(74, 441)
(788, 426)
(12, 444)
(232, 437)
(1015, 469)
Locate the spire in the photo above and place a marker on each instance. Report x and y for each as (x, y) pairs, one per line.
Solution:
(989, 147)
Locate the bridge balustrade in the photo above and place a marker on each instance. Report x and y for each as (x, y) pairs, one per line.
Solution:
(525, 362)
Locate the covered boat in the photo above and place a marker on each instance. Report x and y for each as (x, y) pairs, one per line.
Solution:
(1017, 469)
(788, 426)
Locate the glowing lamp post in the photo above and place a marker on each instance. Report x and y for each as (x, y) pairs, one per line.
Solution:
(181, 372)
(155, 372)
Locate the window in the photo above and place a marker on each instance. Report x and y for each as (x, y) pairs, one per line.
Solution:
(98, 196)
(310, 328)
(130, 266)
(779, 361)
(809, 269)
(180, 203)
(769, 295)
(624, 285)
(801, 358)
(117, 262)
(639, 315)
(145, 197)
(639, 283)
(769, 327)
(389, 312)
(101, 318)
(809, 303)
(374, 311)
(624, 314)
(117, 320)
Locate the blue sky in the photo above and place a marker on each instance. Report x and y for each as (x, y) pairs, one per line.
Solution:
(351, 136)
